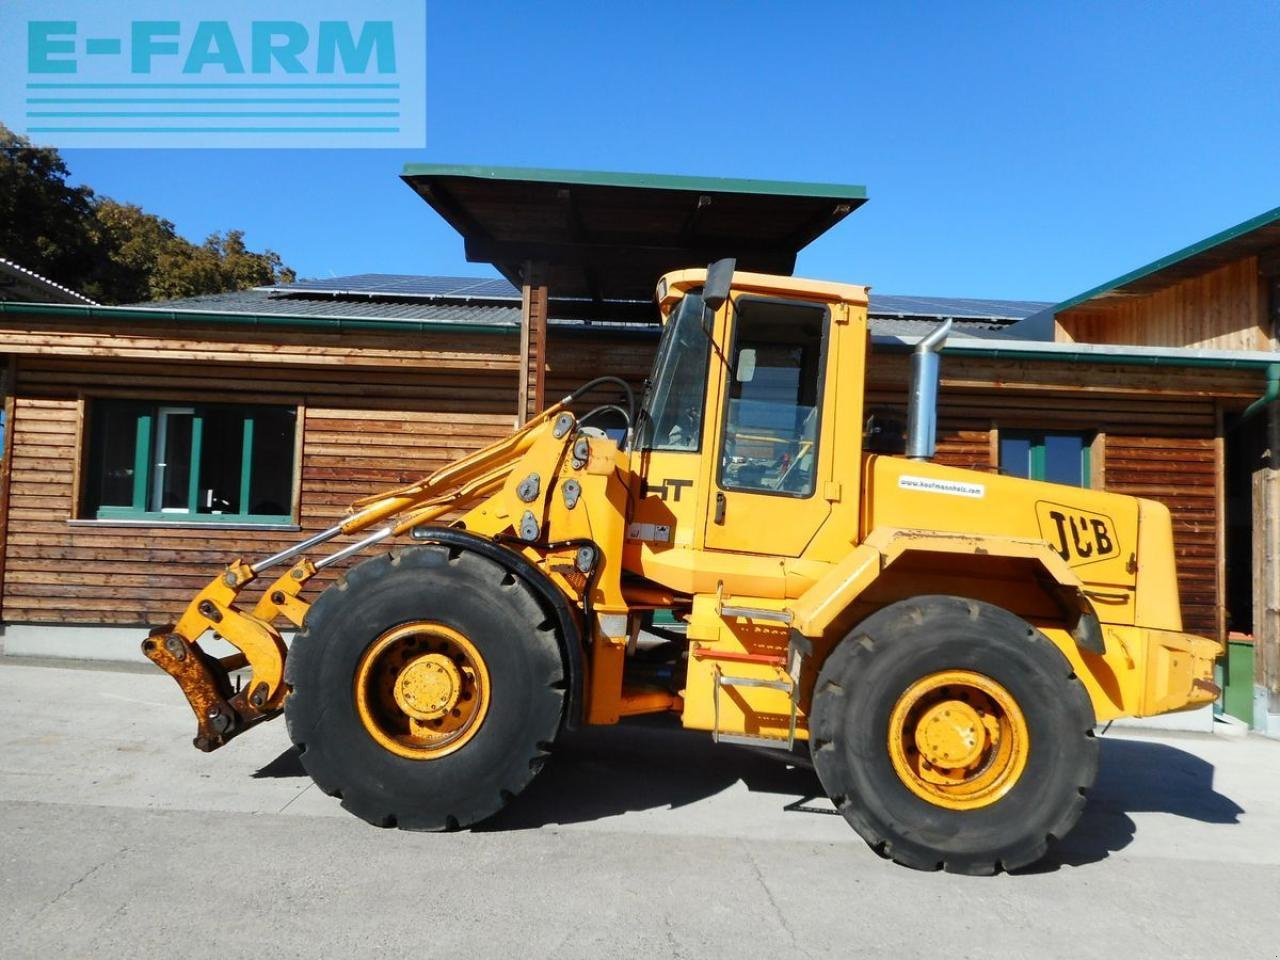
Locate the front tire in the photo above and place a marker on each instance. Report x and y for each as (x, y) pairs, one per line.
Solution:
(426, 688)
(952, 734)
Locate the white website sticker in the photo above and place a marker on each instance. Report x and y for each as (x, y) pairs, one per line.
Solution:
(952, 488)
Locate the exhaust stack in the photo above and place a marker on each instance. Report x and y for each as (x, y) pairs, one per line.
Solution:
(922, 413)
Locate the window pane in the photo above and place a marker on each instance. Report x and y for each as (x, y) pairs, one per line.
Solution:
(271, 473)
(1063, 458)
(221, 456)
(771, 427)
(677, 392)
(1015, 456)
(113, 430)
(171, 460)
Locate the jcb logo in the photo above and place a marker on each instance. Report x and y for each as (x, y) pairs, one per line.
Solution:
(1077, 535)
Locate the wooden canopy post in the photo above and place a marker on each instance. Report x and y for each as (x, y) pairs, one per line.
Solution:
(1266, 582)
(533, 341)
(1266, 535)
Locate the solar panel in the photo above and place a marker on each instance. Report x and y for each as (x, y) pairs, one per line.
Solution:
(953, 307)
(407, 285)
(412, 286)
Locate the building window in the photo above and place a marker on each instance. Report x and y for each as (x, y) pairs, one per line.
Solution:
(1055, 457)
(214, 463)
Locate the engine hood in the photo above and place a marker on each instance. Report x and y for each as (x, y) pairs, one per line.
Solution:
(1096, 533)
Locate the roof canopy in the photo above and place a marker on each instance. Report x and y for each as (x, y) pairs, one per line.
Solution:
(609, 236)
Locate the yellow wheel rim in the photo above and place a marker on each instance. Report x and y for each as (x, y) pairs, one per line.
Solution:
(422, 690)
(958, 739)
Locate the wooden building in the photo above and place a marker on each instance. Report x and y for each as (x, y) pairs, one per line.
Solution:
(1217, 298)
(147, 445)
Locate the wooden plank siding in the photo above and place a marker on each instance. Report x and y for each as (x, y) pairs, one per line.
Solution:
(158, 341)
(1184, 473)
(8, 373)
(1223, 309)
(377, 412)
(576, 355)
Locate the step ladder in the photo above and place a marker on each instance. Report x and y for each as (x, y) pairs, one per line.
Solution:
(788, 679)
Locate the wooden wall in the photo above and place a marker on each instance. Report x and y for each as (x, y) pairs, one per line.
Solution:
(1183, 472)
(1223, 309)
(576, 355)
(365, 425)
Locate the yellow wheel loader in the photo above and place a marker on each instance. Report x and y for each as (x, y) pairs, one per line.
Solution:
(945, 641)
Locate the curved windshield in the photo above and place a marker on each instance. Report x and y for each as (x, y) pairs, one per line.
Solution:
(674, 400)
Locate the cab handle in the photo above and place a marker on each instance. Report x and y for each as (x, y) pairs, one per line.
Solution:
(720, 505)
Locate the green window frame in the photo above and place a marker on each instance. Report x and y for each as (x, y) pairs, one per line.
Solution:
(155, 485)
(1041, 455)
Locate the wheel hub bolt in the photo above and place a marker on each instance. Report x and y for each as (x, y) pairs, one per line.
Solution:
(429, 687)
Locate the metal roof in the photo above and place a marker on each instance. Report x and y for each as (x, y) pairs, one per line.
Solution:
(1244, 239)
(287, 301)
(608, 236)
(406, 297)
(408, 285)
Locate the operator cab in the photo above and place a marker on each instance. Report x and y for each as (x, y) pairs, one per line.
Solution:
(732, 435)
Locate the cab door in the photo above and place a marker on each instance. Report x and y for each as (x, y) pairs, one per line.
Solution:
(771, 470)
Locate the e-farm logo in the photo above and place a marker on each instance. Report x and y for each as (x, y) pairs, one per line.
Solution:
(219, 73)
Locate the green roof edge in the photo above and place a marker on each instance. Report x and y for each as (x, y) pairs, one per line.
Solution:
(103, 312)
(656, 181)
(1111, 359)
(1208, 243)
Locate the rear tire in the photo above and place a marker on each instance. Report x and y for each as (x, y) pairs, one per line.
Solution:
(352, 754)
(862, 706)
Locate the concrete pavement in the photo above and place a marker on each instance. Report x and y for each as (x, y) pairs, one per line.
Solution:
(119, 839)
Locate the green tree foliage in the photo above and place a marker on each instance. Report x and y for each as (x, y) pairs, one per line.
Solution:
(113, 252)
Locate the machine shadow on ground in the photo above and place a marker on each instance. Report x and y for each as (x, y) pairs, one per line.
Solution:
(647, 764)
(1137, 776)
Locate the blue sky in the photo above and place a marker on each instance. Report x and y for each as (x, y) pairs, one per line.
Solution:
(1010, 150)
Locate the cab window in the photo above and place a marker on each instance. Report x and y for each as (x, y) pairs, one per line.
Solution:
(775, 383)
(677, 391)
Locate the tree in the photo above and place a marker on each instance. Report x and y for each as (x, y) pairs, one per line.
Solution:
(111, 251)
(47, 225)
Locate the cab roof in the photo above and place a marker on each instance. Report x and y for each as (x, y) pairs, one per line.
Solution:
(676, 284)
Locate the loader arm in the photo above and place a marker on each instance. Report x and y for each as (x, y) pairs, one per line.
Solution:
(223, 709)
